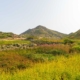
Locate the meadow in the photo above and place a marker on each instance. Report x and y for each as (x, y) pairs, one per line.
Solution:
(45, 61)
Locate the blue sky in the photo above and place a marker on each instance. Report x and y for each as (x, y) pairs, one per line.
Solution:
(19, 15)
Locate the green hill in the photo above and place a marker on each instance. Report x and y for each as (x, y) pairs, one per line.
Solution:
(4, 35)
(43, 32)
(75, 35)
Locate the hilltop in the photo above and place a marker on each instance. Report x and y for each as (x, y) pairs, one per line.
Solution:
(5, 35)
(43, 32)
(40, 32)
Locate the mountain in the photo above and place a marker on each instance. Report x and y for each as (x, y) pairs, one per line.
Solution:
(8, 35)
(75, 35)
(41, 31)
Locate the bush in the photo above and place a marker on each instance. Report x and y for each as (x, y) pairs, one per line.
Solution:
(77, 77)
(76, 48)
(68, 41)
(16, 45)
(21, 66)
(57, 52)
(65, 76)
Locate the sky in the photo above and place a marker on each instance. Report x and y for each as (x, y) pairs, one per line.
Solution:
(18, 16)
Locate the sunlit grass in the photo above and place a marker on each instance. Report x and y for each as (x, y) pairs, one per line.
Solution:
(61, 68)
(4, 42)
(43, 62)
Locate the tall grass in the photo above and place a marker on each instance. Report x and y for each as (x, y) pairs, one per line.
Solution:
(62, 68)
(43, 62)
(4, 42)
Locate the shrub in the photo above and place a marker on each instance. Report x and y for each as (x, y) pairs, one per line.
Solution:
(65, 76)
(21, 66)
(68, 41)
(57, 52)
(77, 77)
(17, 45)
(76, 48)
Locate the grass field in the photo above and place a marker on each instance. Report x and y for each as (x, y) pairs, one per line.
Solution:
(43, 62)
(4, 42)
(61, 68)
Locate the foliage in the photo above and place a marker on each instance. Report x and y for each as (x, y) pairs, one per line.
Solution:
(75, 35)
(48, 61)
(41, 32)
(61, 68)
(7, 35)
(31, 38)
(76, 48)
(4, 42)
(68, 41)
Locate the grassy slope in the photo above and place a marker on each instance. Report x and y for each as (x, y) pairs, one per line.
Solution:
(62, 68)
(75, 35)
(4, 35)
(41, 31)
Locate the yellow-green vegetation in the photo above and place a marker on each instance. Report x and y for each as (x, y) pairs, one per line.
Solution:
(61, 68)
(4, 42)
(41, 32)
(6, 35)
(48, 60)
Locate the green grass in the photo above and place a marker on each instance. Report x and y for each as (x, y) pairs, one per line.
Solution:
(4, 42)
(13, 60)
(61, 68)
(43, 62)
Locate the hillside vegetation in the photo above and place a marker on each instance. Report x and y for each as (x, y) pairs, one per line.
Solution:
(41, 32)
(42, 55)
(61, 68)
(75, 35)
(4, 35)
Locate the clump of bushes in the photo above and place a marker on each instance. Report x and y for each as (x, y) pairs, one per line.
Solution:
(77, 77)
(53, 49)
(57, 52)
(68, 41)
(66, 76)
(76, 48)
